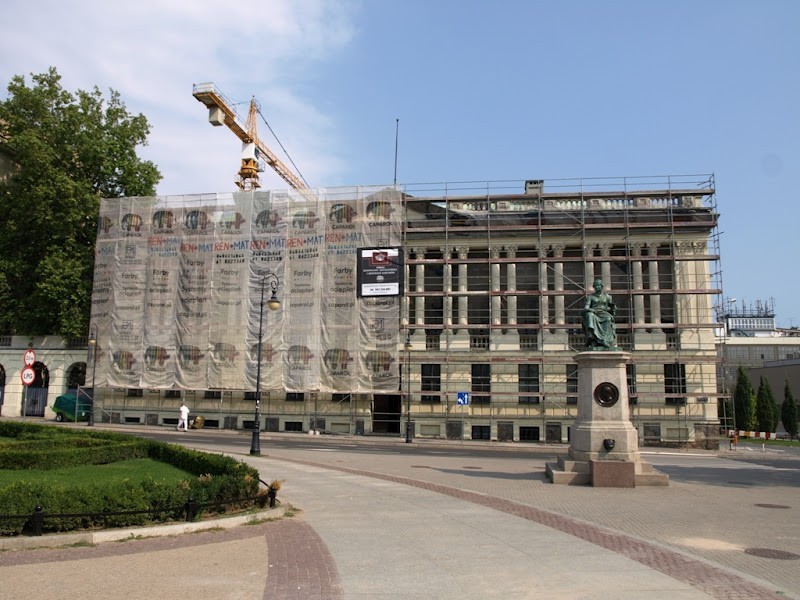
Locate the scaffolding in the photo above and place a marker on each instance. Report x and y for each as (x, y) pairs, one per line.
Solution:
(496, 275)
(496, 279)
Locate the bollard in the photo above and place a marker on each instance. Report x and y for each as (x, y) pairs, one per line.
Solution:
(38, 520)
(191, 509)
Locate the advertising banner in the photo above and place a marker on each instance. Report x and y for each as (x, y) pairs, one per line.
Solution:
(182, 287)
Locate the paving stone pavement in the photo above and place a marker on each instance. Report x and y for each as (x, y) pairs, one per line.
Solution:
(694, 532)
(439, 526)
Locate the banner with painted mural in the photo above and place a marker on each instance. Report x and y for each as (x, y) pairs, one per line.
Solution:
(339, 330)
(229, 306)
(379, 318)
(163, 266)
(130, 282)
(105, 268)
(194, 291)
(267, 276)
(379, 368)
(178, 285)
(304, 279)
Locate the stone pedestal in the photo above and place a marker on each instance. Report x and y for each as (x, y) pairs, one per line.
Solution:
(604, 448)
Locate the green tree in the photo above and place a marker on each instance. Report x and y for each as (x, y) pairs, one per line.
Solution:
(765, 406)
(789, 411)
(70, 150)
(744, 401)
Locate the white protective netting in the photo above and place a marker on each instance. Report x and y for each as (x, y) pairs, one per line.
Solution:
(178, 287)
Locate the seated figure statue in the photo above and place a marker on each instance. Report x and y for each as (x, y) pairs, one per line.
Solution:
(598, 320)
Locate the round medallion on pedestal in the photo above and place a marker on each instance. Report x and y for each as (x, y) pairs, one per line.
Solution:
(606, 394)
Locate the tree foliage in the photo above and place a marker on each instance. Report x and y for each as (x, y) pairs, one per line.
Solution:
(789, 411)
(69, 150)
(765, 406)
(744, 400)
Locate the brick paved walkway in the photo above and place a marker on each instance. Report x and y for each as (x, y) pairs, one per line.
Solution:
(716, 582)
(300, 565)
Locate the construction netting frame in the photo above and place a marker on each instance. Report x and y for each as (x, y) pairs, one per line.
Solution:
(180, 284)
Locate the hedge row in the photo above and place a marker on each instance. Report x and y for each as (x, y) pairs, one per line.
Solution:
(217, 479)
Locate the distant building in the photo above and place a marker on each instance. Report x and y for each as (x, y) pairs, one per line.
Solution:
(495, 279)
(750, 339)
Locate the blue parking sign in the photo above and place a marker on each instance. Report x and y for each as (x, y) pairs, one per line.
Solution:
(462, 398)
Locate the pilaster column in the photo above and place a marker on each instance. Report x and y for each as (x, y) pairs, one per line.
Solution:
(494, 254)
(684, 281)
(702, 281)
(544, 302)
(511, 282)
(558, 283)
(605, 267)
(638, 283)
(447, 288)
(588, 273)
(463, 252)
(655, 299)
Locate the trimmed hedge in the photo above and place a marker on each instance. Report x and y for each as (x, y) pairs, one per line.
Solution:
(218, 479)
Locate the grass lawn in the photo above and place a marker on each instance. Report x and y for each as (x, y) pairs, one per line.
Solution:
(136, 470)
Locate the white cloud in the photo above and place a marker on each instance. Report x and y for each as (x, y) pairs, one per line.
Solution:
(152, 51)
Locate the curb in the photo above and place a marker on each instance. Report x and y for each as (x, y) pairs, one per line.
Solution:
(91, 538)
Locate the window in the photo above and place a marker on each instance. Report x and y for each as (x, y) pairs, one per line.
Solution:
(212, 394)
(528, 434)
(295, 397)
(251, 395)
(572, 384)
(340, 398)
(652, 431)
(431, 382)
(675, 383)
(481, 382)
(528, 382)
(134, 392)
(481, 432)
(630, 375)
(172, 393)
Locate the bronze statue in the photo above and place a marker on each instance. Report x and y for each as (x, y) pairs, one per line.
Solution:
(598, 319)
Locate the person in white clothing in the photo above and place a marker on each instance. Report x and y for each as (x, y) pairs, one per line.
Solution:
(184, 420)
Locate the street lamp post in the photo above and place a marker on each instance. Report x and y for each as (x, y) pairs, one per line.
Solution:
(93, 347)
(273, 304)
(407, 347)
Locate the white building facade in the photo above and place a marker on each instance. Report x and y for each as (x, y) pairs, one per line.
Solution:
(495, 279)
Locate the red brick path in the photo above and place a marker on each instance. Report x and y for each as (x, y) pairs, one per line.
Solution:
(300, 565)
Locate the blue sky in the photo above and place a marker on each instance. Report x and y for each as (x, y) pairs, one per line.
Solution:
(484, 90)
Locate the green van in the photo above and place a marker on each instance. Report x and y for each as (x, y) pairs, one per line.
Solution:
(65, 406)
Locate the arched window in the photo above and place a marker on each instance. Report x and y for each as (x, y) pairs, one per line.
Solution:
(76, 375)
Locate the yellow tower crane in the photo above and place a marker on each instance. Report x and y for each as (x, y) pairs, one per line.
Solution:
(254, 151)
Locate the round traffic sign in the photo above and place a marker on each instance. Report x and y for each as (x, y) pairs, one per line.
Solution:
(29, 357)
(28, 375)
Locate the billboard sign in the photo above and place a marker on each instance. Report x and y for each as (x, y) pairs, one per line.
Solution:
(380, 272)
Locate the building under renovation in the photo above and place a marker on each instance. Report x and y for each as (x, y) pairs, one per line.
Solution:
(494, 281)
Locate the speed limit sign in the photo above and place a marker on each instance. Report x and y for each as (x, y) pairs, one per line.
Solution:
(28, 375)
